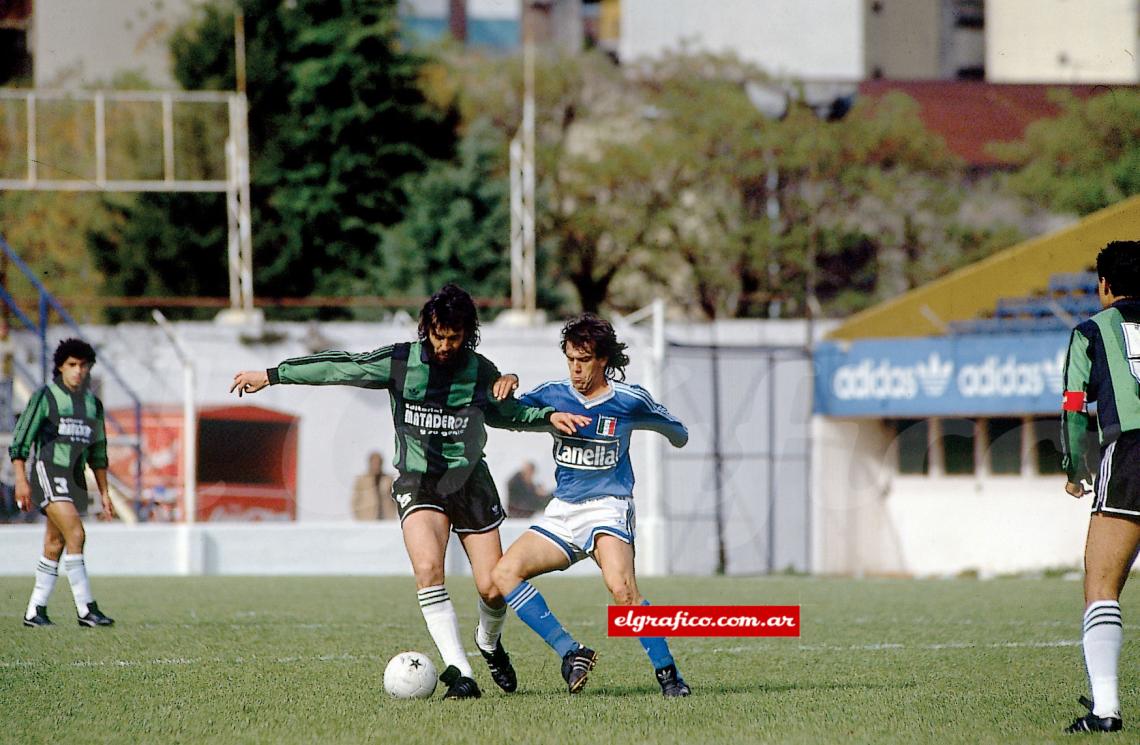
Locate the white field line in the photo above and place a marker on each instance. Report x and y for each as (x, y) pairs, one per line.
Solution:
(892, 647)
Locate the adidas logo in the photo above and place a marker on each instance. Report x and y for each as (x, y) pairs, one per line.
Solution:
(1054, 372)
(934, 375)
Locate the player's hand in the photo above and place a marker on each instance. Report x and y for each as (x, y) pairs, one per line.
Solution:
(249, 381)
(108, 507)
(505, 386)
(23, 496)
(568, 424)
(1077, 490)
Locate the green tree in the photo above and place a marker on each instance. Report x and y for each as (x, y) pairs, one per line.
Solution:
(1084, 159)
(337, 123)
(457, 225)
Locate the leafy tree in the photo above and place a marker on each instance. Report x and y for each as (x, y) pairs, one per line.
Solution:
(48, 232)
(337, 122)
(457, 225)
(1086, 158)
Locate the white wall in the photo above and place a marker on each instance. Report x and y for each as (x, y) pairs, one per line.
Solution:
(88, 42)
(870, 520)
(1062, 41)
(241, 549)
(803, 39)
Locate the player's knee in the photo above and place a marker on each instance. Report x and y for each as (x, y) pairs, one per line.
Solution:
(53, 547)
(489, 591)
(505, 575)
(75, 539)
(428, 572)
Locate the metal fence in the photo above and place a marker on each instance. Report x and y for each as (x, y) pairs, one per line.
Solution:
(737, 498)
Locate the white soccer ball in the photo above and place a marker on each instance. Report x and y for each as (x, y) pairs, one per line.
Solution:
(410, 675)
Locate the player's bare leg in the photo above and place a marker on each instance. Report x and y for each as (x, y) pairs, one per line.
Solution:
(483, 552)
(47, 572)
(1110, 550)
(425, 538)
(615, 558)
(66, 521)
(530, 556)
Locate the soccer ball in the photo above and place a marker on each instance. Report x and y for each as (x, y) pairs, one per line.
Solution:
(410, 675)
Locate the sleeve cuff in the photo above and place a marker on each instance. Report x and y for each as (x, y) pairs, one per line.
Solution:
(273, 375)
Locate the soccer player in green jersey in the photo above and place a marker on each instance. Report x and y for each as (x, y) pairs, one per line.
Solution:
(64, 423)
(1103, 366)
(443, 396)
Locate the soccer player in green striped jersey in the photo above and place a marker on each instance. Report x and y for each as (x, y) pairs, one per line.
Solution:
(443, 396)
(63, 422)
(1103, 366)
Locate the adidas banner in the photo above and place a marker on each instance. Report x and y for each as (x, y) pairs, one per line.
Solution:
(961, 375)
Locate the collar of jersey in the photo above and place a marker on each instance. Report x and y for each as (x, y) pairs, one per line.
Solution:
(590, 403)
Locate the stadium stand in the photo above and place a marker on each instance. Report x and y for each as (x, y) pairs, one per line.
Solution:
(1071, 297)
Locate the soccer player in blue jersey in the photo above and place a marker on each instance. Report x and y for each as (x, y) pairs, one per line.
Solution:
(592, 511)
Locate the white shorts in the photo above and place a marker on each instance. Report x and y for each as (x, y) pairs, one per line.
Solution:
(574, 526)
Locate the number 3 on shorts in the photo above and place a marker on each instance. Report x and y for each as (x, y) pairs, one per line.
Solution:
(60, 486)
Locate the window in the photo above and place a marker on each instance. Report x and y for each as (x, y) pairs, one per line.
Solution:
(1004, 437)
(958, 446)
(912, 436)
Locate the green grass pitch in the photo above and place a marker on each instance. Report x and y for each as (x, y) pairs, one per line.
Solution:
(300, 660)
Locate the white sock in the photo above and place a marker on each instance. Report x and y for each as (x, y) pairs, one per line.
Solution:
(443, 625)
(490, 626)
(46, 573)
(1103, 637)
(77, 576)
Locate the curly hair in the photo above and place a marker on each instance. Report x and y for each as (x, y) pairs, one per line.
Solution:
(76, 348)
(1118, 264)
(451, 308)
(597, 334)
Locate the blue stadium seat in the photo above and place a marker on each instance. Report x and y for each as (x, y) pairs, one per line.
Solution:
(1008, 307)
(1073, 283)
(1080, 305)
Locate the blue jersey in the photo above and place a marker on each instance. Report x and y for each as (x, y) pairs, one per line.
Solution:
(595, 462)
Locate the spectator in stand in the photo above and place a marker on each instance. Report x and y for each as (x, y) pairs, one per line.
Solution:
(372, 492)
(524, 496)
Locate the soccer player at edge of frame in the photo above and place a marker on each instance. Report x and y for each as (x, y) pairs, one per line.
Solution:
(592, 512)
(64, 421)
(444, 395)
(1101, 367)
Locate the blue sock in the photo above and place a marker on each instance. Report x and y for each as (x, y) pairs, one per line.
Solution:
(531, 608)
(657, 649)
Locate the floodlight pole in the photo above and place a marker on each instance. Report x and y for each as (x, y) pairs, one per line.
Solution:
(523, 273)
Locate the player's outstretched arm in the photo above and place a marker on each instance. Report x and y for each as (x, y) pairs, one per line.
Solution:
(249, 381)
(567, 423)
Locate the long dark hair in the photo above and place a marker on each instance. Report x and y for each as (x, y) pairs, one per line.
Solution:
(76, 348)
(597, 334)
(451, 308)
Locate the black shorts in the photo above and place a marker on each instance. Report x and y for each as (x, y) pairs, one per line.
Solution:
(52, 483)
(472, 508)
(1118, 480)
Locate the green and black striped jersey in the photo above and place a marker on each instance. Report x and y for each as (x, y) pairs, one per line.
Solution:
(1103, 366)
(66, 429)
(440, 412)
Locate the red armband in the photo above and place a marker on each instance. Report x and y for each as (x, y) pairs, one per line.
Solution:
(1073, 401)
